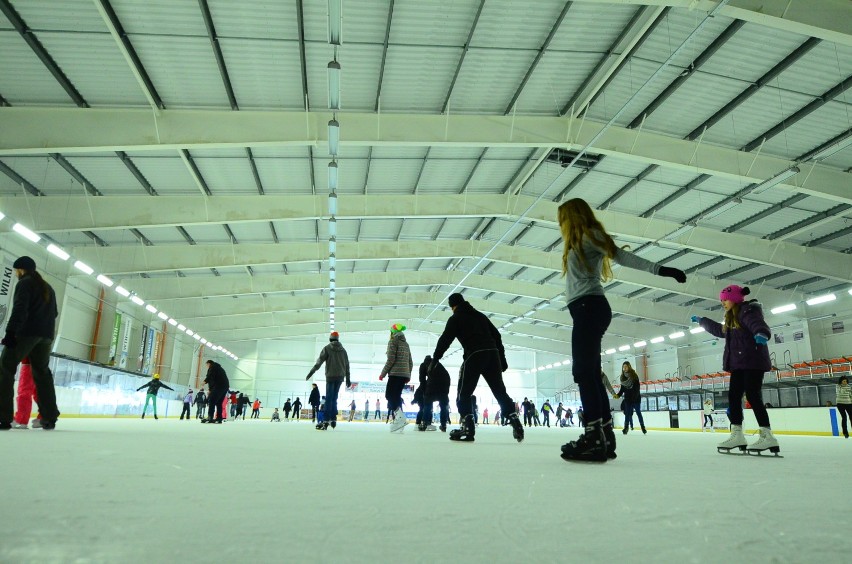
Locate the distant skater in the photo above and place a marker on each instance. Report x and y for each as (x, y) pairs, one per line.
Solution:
(151, 396)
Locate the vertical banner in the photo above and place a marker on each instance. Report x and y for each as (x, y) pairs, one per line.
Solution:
(149, 351)
(7, 286)
(155, 352)
(125, 343)
(140, 362)
(113, 342)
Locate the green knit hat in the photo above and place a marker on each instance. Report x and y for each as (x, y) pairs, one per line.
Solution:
(397, 328)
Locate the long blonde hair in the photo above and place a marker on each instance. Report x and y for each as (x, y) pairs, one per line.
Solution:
(577, 220)
(731, 321)
(630, 371)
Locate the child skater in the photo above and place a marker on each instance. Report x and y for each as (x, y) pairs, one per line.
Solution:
(746, 357)
(586, 263)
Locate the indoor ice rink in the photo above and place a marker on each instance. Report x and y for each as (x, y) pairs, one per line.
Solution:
(234, 180)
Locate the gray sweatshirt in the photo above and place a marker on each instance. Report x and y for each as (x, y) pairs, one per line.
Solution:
(336, 362)
(579, 282)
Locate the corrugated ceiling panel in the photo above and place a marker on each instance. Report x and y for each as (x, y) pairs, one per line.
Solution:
(252, 232)
(167, 175)
(280, 152)
(379, 229)
(121, 237)
(393, 176)
(160, 17)
(299, 230)
(421, 229)
(267, 270)
(71, 239)
(692, 103)
(597, 187)
(285, 176)
(24, 80)
(623, 168)
(264, 74)
(363, 265)
(207, 234)
(544, 177)
(43, 173)
(411, 85)
(363, 22)
(510, 153)
(841, 160)
(224, 153)
(351, 175)
(432, 22)
(227, 175)
(183, 70)
(445, 175)
(458, 228)
(556, 78)
(674, 30)
(361, 65)
(744, 210)
(70, 15)
(492, 176)
(167, 153)
(833, 227)
(768, 107)
(523, 25)
(752, 52)
(303, 267)
(539, 237)
(825, 66)
(107, 174)
(488, 78)
(157, 235)
(824, 124)
(385, 152)
(438, 152)
(641, 197)
(404, 265)
(257, 19)
(588, 27)
(778, 220)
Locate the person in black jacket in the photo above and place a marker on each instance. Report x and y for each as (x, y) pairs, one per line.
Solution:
(314, 400)
(200, 402)
(218, 383)
(287, 407)
(151, 396)
(297, 408)
(437, 388)
(484, 356)
(630, 390)
(29, 333)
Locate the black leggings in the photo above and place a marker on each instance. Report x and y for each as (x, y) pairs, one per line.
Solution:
(748, 382)
(214, 404)
(591, 315)
(844, 409)
(485, 363)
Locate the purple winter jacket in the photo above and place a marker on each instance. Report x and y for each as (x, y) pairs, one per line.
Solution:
(741, 351)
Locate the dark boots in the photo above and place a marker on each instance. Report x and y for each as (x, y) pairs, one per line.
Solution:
(465, 432)
(590, 447)
(609, 435)
(517, 428)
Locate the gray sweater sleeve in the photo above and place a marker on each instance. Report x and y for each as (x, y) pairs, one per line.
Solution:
(631, 260)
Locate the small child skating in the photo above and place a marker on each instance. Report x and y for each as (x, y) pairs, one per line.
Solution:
(708, 415)
(275, 416)
(746, 357)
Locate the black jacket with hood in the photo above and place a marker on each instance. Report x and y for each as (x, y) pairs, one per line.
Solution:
(474, 331)
(32, 315)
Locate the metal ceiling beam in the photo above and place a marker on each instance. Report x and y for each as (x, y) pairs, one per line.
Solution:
(217, 52)
(829, 215)
(75, 174)
(765, 213)
(39, 131)
(25, 184)
(300, 26)
(465, 49)
(377, 106)
(30, 39)
(126, 47)
(830, 22)
(752, 89)
(137, 174)
(194, 172)
(627, 187)
(693, 67)
(510, 106)
(819, 102)
(122, 212)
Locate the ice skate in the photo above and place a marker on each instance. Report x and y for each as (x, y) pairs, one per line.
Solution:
(465, 432)
(399, 421)
(609, 435)
(333, 423)
(36, 423)
(517, 428)
(431, 428)
(736, 441)
(19, 426)
(590, 447)
(766, 441)
(443, 428)
(155, 416)
(624, 431)
(143, 416)
(322, 426)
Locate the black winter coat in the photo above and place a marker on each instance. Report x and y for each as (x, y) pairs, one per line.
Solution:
(474, 331)
(32, 316)
(631, 394)
(439, 381)
(216, 377)
(314, 399)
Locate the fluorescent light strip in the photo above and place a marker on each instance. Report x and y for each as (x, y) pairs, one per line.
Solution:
(181, 327)
(783, 309)
(696, 330)
(677, 335)
(610, 351)
(172, 321)
(137, 300)
(25, 232)
(162, 316)
(56, 251)
(639, 344)
(656, 340)
(105, 281)
(151, 308)
(821, 299)
(83, 267)
(624, 348)
(123, 291)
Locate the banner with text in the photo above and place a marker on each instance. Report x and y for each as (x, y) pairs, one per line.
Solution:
(113, 342)
(125, 343)
(7, 292)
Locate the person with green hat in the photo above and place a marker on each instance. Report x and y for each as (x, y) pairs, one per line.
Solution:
(29, 333)
(398, 366)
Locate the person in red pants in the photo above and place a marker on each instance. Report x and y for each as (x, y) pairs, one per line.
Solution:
(26, 395)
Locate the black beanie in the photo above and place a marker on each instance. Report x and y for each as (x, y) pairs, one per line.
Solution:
(455, 299)
(24, 263)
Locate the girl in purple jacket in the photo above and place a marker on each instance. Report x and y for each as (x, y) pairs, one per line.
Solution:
(746, 357)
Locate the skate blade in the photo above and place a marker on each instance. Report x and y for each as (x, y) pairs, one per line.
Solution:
(568, 458)
(462, 439)
(739, 450)
(775, 453)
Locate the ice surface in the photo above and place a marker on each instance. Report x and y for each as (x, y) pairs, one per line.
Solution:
(131, 490)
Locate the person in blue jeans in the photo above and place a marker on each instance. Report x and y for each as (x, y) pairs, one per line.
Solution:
(630, 391)
(336, 361)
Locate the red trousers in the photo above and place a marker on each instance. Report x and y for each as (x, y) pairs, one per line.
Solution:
(26, 394)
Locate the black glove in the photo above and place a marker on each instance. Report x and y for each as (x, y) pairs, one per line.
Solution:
(309, 375)
(503, 364)
(9, 340)
(669, 272)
